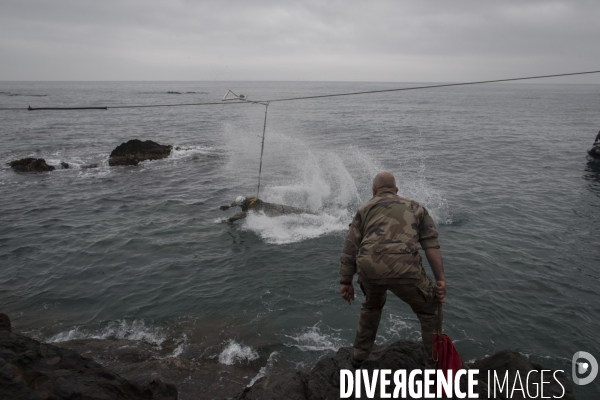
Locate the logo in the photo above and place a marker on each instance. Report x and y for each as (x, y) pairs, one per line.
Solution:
(580, 368)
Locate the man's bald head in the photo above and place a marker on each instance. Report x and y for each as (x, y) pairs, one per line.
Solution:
(384, 180)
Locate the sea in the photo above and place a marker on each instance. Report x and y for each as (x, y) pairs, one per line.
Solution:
(142, 254)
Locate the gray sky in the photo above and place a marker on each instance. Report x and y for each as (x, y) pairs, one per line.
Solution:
(401, 41)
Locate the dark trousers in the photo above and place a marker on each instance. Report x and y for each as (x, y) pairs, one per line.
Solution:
(419, 295)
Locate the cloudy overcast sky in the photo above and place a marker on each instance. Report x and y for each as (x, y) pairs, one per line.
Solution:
(399, 41)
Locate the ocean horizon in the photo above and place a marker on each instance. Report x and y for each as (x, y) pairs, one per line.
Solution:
(140, 256)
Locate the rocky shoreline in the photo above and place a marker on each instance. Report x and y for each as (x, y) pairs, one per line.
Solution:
(323, 381)
(30, 369)
(33, 370)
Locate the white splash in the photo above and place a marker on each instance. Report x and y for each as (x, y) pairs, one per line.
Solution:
(236, 352)
(183, 342)
(120, 329)
(397, 327)
(331, 183)
(312, 339)
(295, 228)
(264, 370)
(186, 152)
(429, 197)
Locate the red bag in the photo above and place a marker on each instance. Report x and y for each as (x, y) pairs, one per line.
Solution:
(443, 351)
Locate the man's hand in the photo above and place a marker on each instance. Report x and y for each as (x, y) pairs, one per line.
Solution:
(347, 293)
(440, 290)
(224, 208)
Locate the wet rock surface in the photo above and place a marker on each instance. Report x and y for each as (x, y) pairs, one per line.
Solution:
(323, 381)
(33, 370)
(199, 355)
(30, 164)
(126, 368)
(135, 151)
(196, 374)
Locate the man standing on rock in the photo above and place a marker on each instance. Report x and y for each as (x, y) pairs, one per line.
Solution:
(382, 247)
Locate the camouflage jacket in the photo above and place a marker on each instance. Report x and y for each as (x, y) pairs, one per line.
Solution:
(382, 241)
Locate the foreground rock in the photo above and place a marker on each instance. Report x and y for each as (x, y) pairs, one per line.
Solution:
(594, 152)
(135, 151)
(193, 367)
(323, 381)
(33, 370)
(30, 165)
(198, 373)
(185, 353)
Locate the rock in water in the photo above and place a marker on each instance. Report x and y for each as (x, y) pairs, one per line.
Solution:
(31, 165)
(323, 381)
(594, 152)
(33, 370)
(135, 151)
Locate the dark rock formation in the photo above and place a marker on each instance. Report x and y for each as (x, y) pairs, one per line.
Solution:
(31, 165)
(195, 371)
(33, 370)
(134, 151)
(594, 152)
(64, 165)
(323, 381)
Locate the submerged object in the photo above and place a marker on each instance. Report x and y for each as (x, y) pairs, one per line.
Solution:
(255, 204)
(594, 152)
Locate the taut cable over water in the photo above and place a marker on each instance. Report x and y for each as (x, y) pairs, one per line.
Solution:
(243, 99)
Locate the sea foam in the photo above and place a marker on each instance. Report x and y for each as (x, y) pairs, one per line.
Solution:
(235, 352)
(120, 329)
(314, 339)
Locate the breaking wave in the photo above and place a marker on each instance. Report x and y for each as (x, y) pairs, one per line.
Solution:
(235, 352)
(120, 329)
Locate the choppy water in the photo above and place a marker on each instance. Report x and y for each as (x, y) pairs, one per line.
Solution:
(140, 253)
